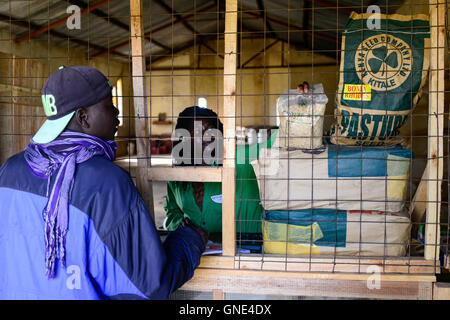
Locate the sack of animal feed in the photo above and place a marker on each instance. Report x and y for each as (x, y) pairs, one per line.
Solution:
(335, 177)
(336, 232)
(300, 118)
(382, 74)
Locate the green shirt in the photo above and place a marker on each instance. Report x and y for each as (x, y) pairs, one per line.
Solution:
(180, 200)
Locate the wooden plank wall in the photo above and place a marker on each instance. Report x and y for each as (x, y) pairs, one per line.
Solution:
(20, 102)
(23, 76)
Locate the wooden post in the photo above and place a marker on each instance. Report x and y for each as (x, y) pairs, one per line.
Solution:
(140, 104)
(441, 291)
(229, 127)
(435, 128)
(218, 295)
(195, 174)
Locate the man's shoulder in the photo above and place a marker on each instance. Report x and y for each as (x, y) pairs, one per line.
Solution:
(14, 168)
(106, 179)
(16, 160)
(97, 168)
(102, 169)
(104, 191)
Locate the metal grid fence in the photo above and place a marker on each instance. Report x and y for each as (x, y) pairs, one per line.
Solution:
(340, 206)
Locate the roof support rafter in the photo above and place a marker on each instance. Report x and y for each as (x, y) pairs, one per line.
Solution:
(152, 32)
(32, 26)
(264, 16)
(116, 22)
(60, 22)
(290, 25)
(259, 52)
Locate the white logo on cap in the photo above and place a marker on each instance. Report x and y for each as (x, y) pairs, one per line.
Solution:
(48, 100)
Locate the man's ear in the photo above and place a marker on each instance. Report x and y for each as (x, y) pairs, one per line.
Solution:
(81, 117)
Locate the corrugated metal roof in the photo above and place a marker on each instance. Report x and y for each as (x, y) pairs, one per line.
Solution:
(304, 23)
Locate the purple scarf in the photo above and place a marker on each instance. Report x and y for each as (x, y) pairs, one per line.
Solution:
(61, 156)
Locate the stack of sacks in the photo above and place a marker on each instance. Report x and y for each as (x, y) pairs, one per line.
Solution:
(361, 190)
(344, 198)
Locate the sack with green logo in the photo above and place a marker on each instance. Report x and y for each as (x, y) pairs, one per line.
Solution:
(382, 74)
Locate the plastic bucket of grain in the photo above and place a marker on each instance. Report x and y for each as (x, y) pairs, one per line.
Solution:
(300, 118)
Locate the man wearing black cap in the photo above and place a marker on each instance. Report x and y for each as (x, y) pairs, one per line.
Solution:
(73, 224)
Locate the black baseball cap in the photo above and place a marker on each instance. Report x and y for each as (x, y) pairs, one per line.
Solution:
(66, 90)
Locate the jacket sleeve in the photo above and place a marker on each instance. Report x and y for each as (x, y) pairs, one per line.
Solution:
(141, 266)
(173, 211)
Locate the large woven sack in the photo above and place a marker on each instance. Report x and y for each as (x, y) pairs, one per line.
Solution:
(336, 177)
(382, 73)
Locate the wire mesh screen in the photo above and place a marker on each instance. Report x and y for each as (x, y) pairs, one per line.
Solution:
(317, 154)
(332, 120)
(37, 38)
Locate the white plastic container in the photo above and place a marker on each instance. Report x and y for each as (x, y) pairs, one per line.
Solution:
(300, 118)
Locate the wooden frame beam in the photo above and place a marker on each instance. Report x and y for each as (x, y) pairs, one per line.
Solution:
(326, 265)
(441, 291)
(140, 103)
(338, 264)
(435, 156)
(194, 174)
(312, 284)
(229, 128)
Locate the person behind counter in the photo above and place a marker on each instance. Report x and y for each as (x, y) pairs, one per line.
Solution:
(74, 226)
(201, 202)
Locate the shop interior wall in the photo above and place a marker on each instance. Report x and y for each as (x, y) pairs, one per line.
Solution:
(178, 82)
(24, 69)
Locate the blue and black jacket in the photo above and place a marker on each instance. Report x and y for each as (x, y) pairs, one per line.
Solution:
(112, 246)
